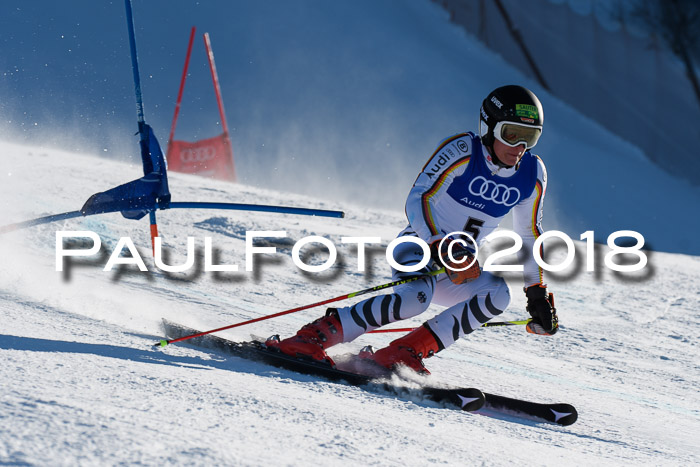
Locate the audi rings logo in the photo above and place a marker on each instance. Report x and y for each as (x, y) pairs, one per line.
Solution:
(495, 192)
(202, 154)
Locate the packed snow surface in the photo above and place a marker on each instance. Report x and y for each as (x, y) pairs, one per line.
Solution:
(82, 384)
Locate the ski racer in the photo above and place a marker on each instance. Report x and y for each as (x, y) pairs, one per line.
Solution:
(468, 185)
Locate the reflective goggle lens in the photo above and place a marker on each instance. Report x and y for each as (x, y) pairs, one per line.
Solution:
(514, 135)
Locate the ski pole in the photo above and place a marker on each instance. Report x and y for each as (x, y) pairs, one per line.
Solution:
(165, 342)
(507, 323)
(485, 325)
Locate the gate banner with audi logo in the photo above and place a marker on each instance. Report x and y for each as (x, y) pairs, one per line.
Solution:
(212, 157)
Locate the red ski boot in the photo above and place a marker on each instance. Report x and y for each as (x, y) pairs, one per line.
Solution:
(313, 339)
(409, 350)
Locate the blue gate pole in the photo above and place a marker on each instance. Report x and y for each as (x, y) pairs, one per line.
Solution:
(145, 151)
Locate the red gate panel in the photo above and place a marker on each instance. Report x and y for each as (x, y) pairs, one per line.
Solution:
(212, 157)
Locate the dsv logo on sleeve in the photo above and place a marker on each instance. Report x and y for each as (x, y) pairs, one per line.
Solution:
(495, 192)
(201, 154)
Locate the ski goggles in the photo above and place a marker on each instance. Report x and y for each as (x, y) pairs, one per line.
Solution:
(514, 134)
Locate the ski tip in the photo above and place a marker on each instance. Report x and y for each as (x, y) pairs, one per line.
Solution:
(471, 399)
(564, 414)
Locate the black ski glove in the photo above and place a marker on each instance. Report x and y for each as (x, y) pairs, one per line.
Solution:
(540, 305)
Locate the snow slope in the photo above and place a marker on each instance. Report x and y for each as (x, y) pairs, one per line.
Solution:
(80, 383)
(337, 100)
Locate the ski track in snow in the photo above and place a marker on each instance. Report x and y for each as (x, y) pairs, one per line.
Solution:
(82, 384)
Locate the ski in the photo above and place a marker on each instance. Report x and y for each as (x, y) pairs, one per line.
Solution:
(561, 414)
(467, 399)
